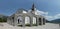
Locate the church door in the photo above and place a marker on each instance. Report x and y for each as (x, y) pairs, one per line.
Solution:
(19, 20)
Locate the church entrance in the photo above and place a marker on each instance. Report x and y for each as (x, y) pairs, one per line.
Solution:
(19, 20)
(27, 20)
(34, 20)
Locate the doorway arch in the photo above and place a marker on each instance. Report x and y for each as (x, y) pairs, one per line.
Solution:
(34, 20)
(20, 20)
(27, 20)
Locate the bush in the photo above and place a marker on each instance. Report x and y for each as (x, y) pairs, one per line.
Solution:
(34, 24)
(3, 20)
(27, 25)
(20, 25)
(0, 19)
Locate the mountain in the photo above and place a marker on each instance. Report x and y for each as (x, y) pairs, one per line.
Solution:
(47, 21)
(1, 15)
(55, 21)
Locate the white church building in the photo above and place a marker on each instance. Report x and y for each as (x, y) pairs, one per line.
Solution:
(26, 17)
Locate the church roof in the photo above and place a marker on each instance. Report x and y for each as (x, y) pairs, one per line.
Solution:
(21, 10)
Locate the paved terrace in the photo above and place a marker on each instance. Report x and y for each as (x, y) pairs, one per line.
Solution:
(47, 26)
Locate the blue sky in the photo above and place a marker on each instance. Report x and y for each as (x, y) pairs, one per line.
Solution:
(8, 7)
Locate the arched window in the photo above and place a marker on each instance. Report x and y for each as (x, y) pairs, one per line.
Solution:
(27, 20)
(34, 20)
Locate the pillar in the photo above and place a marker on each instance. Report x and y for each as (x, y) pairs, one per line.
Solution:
(15, 21)
(8, 20)
(37, 21)
(44, 21)
(41, 20)
(23, 24)
(31, 21)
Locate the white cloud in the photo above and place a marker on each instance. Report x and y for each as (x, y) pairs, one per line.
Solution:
(53, 17)
(57, 16)
(47, 16)
(42, 12)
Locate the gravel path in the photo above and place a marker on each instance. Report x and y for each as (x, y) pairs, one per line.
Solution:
(47, 26)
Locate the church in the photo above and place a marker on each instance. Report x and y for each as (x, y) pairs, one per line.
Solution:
(24, 18)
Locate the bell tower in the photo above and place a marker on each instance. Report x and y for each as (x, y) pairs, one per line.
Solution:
(33, 7)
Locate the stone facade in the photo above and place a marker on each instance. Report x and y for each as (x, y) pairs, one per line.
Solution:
(26, 18)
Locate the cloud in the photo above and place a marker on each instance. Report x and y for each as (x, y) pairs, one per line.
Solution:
(57, 16)
(42, 12)
(45, 14)
(49, 17)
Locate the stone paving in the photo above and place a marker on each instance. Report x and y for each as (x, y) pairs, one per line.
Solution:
(47, 26)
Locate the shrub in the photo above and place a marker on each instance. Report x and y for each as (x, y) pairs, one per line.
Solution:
(3, 20)
(34, 24)
(27, 25)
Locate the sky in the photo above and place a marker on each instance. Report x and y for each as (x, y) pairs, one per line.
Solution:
(8, 7)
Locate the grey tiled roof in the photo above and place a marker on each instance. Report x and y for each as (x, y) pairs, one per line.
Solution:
(22, 9)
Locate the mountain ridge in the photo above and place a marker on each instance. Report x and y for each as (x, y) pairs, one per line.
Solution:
(55, 21)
